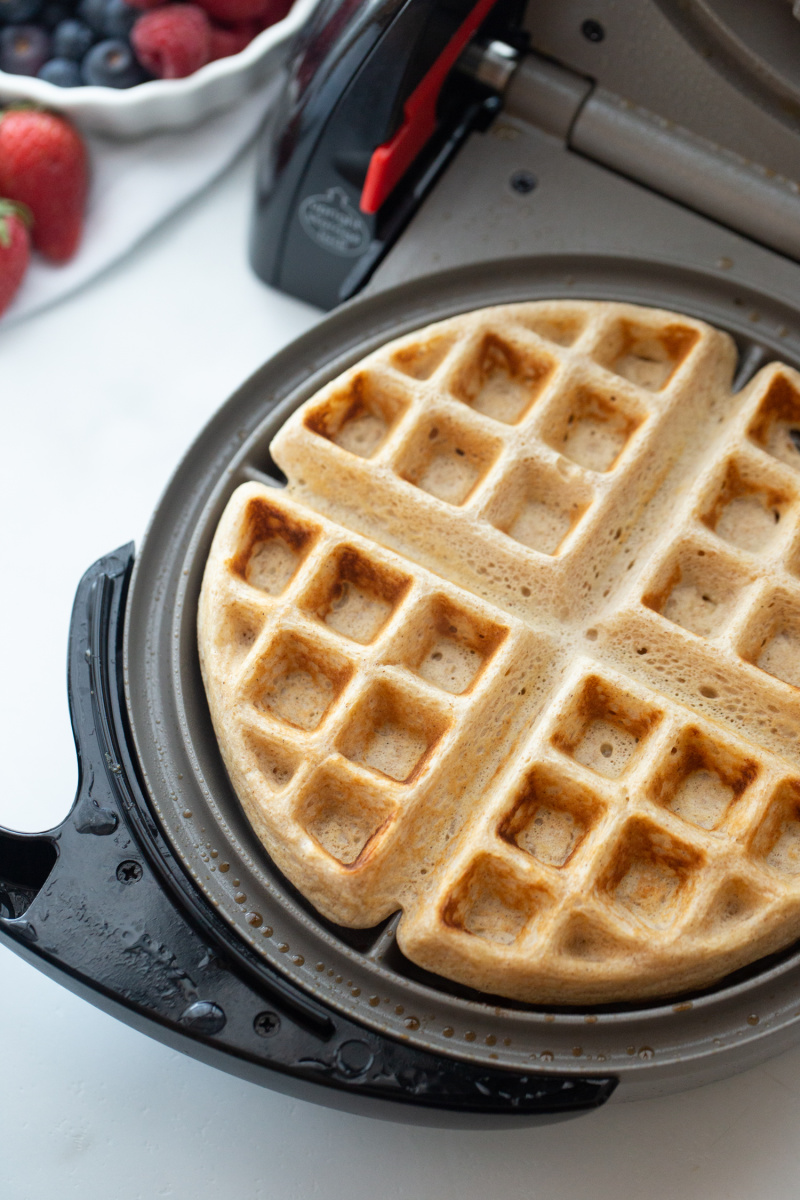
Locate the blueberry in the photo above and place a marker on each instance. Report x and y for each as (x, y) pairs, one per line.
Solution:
(93, 12)
(52, 13)
(18, 12)
(72, 39)
(63, 72)
(24, 49)
(118, 19)
(112, 64)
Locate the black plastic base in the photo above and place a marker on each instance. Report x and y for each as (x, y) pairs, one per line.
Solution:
(101, 905)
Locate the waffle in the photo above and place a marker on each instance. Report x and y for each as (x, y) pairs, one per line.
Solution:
(517, 652)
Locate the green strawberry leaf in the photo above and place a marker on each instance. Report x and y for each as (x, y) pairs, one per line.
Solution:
(8, 209)
(21, 106)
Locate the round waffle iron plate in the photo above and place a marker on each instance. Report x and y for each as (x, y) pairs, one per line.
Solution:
(652, 1048)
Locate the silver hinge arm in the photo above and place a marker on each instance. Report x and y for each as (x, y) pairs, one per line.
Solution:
(659, 154)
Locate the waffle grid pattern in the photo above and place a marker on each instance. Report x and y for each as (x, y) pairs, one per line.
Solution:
(355, 680)
(495, 429)
(518, 652)
(723, 598)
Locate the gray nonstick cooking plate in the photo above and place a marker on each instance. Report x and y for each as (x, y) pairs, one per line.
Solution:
(362, 974)
(154, 899)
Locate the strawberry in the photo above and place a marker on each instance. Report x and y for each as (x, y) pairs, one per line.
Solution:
(172, 42)
(15, 249)
(44, 164)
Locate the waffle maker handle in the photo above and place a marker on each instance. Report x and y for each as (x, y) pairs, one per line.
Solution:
(374, 108)
(101, 905)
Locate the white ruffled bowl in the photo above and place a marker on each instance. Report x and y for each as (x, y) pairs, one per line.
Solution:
(166, 103)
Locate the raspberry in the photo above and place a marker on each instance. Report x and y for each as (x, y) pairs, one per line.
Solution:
(266, 12)
(173, 41)
(233, 40)
(273, 11)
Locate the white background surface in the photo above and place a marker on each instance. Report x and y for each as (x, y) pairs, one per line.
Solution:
(101, 396)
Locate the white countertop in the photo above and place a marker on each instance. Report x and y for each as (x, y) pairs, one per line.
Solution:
(101, 397)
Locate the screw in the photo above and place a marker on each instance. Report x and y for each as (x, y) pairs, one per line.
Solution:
(523, 182)
(129, 871)
(593, 31)
(267, 1024)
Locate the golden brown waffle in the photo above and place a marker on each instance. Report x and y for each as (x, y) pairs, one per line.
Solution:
(518, 651)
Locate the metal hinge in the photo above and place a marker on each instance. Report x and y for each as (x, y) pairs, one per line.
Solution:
(657, 153)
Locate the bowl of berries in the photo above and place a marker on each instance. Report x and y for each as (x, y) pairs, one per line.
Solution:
(127, 68)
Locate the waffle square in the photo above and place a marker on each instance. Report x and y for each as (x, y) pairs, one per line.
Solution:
(517, 651)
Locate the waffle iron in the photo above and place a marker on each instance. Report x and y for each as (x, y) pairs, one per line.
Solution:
(428, 158)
